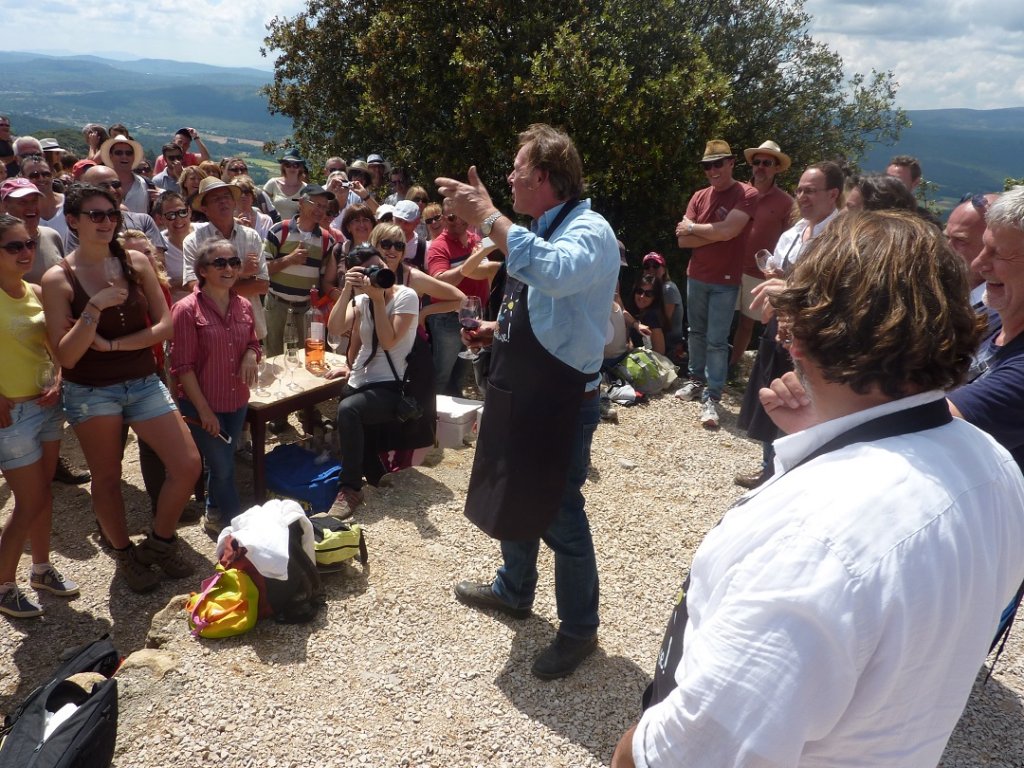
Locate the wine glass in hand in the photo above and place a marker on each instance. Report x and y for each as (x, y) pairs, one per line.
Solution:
(470, 315)
(112, 269)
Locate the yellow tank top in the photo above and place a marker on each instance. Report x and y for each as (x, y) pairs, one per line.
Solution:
(22, 344)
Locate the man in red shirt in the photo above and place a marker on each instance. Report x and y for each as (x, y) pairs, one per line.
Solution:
(184, 137)
(445, 257)
(715, 226)
(774, 216)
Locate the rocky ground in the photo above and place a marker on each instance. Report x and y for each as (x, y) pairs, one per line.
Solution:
(395, 672)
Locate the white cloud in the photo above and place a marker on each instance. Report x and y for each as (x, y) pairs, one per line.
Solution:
(944, 53)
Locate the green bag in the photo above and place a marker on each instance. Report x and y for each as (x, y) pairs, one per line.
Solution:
(228, 605)
(335, 541)
(646, 370)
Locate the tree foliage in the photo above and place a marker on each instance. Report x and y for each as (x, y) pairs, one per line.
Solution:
(640, 86)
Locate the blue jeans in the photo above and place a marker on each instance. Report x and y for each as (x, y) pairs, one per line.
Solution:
(576, 585)
(710, 309)
(446, 344)
(219, 458)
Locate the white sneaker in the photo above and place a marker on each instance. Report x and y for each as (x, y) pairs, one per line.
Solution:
(709, 414)
(690, 390)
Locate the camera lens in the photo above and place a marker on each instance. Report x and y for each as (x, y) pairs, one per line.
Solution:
(381, 277)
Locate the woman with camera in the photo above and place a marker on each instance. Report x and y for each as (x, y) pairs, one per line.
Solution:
(382, 317)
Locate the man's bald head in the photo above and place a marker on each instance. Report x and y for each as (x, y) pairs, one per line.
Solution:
(965, 228)
(102, 176)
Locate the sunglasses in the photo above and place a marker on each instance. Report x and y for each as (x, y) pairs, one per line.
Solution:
(115, 184)
(977, 200)
(40, 175)
(237, 168)
(647, 294)
(391, 245)
(221, 263)
(173, 158)
(420, 200)
(451, 217)
(97, 217)
(180, 213)
(707, 165)
(17, 246)
(143, 168)
(122, 153)
(291, 164)
(434, 219)
(5, 125)
(766, 163)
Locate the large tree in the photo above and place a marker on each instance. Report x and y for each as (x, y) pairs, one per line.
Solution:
(639, 85)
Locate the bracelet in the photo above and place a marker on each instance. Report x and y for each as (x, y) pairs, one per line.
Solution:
(87, 317)
(94, 306)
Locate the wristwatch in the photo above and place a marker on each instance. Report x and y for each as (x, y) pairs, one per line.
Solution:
(488, 224)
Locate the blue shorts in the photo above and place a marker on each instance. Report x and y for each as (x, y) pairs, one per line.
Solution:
(21, 444)
(133, 400)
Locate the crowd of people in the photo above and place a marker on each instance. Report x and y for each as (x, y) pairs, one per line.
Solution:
(826, 619)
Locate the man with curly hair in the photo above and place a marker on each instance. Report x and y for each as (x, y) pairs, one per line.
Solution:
(838, 615)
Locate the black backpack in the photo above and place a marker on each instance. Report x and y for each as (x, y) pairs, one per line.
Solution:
(88, 737)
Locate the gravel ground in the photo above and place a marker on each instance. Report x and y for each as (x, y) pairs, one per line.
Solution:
(395, 672)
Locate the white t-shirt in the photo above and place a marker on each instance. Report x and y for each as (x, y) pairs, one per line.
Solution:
(839, 616)
(366, 370)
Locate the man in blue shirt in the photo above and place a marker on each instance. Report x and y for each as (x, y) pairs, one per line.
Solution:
(542, 402)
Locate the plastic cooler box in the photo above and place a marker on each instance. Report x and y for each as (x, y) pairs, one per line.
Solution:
(457, 420)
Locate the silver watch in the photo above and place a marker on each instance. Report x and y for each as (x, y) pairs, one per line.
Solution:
(488, 224)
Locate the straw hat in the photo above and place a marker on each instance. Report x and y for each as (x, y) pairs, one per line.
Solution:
(209, 184)
(769, 148)
(107, 145)
(716, 149)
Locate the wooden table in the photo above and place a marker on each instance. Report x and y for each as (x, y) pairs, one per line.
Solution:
(279, 401)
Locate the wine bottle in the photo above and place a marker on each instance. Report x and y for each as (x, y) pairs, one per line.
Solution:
(314, 335)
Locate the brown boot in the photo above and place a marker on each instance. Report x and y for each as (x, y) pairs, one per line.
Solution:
(167, 555)
(138, 576)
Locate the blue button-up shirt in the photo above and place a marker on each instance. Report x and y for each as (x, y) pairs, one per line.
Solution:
(572, 282)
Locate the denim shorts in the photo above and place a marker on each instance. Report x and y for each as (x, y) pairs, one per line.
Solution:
(21, 444)
(133, 400)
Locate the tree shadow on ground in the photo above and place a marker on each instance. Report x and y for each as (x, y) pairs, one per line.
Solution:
(605, 688)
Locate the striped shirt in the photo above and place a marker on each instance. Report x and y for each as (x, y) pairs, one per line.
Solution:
(293, 283)
(212, 347)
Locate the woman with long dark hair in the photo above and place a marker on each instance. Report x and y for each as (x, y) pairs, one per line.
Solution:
(646, 303)
(118, 313)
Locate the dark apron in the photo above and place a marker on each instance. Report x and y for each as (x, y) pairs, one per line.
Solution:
(531, 411)
(917, 419)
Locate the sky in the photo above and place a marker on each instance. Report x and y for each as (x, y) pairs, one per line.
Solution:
(944, 53)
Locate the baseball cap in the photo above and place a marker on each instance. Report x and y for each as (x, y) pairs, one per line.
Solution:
(18, 187)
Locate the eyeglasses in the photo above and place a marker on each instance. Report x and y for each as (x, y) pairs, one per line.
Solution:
(180, 213)
(122, 152)
(808, 191)
(40, 175)
(97, 217)
(707, 165)
(221, 263)
(420, 200)
(114, 184)
(647, 294)
(434, 220)
(391, 245)
(451, 217)
(15, 247)
(237, 168)
(766, 163)
(979, 201)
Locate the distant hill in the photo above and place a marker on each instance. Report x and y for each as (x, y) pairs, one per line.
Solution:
(153, 97)
(961, 150)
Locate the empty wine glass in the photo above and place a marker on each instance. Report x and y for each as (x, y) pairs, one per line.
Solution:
(765, 261)
(469, 318)
(261, 373)
(292, 363)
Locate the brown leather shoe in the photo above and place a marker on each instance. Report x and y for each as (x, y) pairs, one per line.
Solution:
(751, 481)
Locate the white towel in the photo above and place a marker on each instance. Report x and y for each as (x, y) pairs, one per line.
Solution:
(263, 531)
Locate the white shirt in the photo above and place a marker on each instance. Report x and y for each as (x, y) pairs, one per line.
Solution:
(839, 617)
(367, 370)
(246, 240)
(791, 243)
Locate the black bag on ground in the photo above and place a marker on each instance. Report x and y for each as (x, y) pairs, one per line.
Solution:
(297, 599)
(87, 738)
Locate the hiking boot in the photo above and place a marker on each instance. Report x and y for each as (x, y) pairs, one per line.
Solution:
(54, 582)
(65, 474)
(709, 414)
(561, 658)
(213, 525)
(752, 481)
(16, 603)
(347, 500)
(479, 595)
(691, 390)
(165, 554)
(137, 575)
